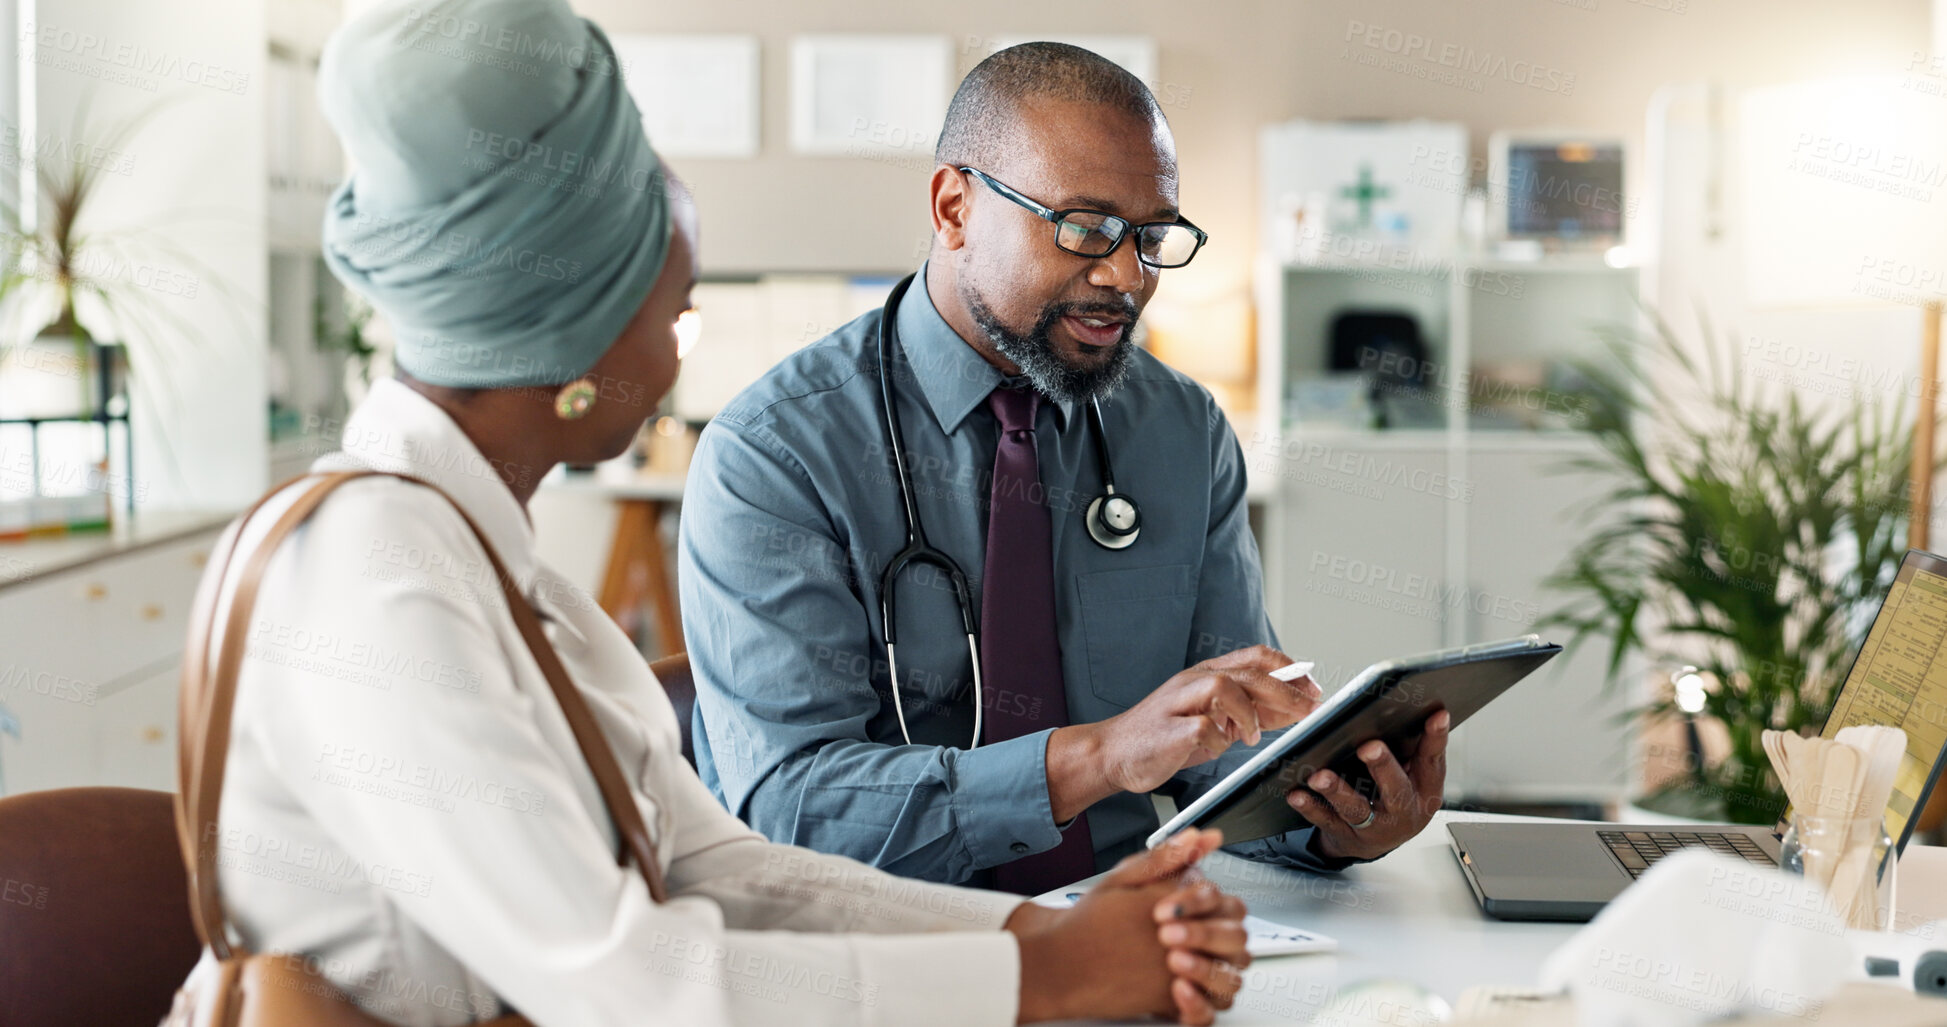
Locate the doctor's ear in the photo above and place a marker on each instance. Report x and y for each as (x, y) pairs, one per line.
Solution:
(949, 196)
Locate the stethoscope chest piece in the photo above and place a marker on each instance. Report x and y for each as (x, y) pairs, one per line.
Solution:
(1113, 521)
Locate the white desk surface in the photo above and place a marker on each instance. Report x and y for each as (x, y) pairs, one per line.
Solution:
(1408, 916)
(1411, 916)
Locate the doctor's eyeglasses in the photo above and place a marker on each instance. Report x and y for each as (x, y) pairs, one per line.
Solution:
(1094, 233)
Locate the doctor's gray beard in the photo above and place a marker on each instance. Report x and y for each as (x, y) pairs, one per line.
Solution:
(1034, 352)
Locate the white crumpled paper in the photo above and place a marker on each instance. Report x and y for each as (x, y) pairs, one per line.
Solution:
(1699, 937)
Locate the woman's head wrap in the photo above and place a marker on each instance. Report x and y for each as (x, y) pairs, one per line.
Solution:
(505, 211)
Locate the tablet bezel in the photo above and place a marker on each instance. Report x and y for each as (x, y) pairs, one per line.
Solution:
(1372, 685)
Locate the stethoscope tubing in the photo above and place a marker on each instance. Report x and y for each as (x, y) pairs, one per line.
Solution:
(919, 551)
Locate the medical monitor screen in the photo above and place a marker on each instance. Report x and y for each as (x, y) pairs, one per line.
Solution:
(1565, 190)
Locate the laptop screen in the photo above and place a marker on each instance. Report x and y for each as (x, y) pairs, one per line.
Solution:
(1900, 678)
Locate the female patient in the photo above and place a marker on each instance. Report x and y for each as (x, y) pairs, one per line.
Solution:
(405, 803)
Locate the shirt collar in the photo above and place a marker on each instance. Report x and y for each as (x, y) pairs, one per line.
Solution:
(397, 429)
(952, 375)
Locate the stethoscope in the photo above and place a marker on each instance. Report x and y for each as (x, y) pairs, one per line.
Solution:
(1113, 521)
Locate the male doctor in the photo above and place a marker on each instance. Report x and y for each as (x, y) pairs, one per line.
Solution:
(1112, 663)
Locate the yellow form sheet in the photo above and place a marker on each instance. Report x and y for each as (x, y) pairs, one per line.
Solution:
(1900, 679)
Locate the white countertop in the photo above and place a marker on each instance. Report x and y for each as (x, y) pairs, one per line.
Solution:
(28, 559)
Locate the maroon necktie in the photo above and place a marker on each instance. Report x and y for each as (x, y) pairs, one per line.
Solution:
(1020, 656)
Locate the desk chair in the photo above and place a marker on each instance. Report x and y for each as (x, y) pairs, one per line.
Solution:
(680, 685)
(94, 905)
(94, 908)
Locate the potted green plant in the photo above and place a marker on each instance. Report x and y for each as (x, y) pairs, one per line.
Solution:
(54, 261)
(82, 301)
(1744, 535)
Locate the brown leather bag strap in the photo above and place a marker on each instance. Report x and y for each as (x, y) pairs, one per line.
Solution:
(204, 711)
(209, 696)
(193, 697)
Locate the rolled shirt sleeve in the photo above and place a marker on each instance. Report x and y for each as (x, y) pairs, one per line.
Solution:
(767, 586)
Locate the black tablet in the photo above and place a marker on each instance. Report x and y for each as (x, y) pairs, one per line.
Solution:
(1389, 701)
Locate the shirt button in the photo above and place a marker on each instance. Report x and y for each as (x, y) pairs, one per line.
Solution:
(1019, 847)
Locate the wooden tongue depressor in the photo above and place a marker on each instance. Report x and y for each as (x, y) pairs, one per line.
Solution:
(1880, 747)
(1838, 778)
(1836, 766)
(1846, 778)
(1774, 747)
(1847, 876)
(1798, 760)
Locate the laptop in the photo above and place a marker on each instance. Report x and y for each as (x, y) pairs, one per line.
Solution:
(1569, 871)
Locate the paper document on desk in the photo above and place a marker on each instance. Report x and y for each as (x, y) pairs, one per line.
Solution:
(1265, 937)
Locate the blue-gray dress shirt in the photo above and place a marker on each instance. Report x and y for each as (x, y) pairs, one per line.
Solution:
(791, 513)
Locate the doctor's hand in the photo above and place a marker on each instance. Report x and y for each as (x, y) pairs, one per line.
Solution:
(1372, 820)
(1192, 718)
(1151, 938)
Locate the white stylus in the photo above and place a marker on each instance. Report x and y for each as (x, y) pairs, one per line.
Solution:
(1293, 671)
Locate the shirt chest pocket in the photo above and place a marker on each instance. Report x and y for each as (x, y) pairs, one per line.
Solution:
(1136, 622)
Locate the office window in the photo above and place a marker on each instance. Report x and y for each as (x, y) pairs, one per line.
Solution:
(10, 162)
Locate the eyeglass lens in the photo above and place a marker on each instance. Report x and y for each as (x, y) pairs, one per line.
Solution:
(1092, 235)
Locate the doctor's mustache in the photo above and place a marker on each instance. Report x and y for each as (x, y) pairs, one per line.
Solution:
(1125, 310)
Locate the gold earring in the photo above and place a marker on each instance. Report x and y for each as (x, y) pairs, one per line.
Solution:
(575, 400)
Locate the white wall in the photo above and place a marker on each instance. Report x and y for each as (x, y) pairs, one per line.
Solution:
(1229, 66)
(197, 177)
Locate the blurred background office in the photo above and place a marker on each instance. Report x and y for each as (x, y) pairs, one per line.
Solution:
(1596, 316)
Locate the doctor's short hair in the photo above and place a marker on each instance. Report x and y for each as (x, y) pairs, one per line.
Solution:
(981, 121)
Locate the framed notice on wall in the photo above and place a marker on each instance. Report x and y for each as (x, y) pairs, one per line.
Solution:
(869, 95)
(698, 93)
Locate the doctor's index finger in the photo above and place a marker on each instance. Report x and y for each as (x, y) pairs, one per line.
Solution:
(1279, 703)
(1260, 658)
(1231, 701)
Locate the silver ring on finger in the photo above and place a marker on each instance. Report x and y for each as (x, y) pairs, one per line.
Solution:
(1372, 814)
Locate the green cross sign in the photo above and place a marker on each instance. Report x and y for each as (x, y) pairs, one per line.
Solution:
(1365, 192)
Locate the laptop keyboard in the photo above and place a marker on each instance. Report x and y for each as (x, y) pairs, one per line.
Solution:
(1637, 850)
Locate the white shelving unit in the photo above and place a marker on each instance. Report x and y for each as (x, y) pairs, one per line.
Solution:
(1382, 542)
